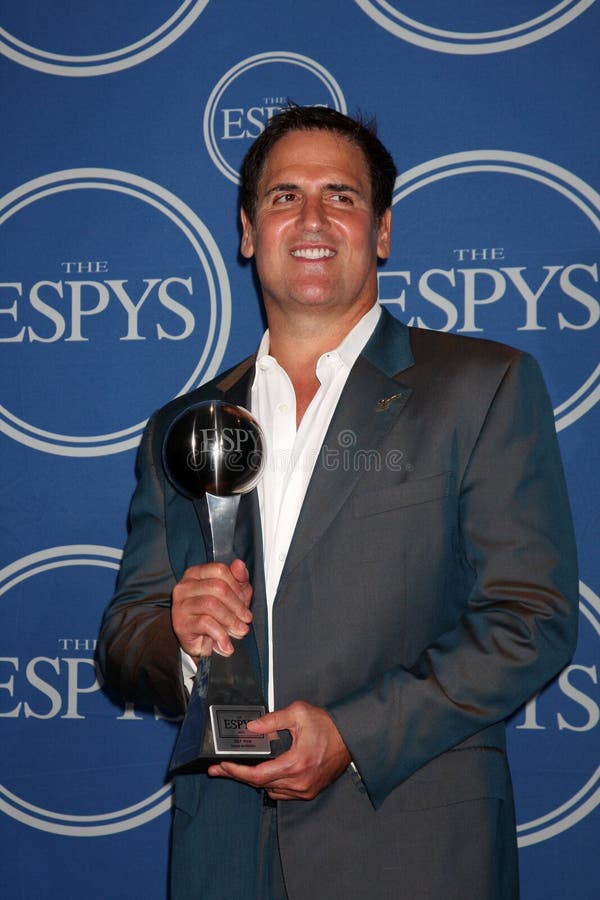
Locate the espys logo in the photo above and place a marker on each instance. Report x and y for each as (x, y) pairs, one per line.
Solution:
(50, 698)
(137, 34)
(482, 28)
(505, 246)
(560, 726)
(88, 314)
(254, 90)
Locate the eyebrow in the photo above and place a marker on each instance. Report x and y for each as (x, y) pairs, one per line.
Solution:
(291, 186)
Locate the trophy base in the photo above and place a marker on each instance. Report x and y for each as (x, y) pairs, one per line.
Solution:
(231, 738)
(224, 698)
(225, 738)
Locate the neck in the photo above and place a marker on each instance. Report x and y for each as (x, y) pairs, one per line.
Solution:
(298, 345)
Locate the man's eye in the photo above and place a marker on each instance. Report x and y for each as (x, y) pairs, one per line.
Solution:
(341, 198)
(285, 198)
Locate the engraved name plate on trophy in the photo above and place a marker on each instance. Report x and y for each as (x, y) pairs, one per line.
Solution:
(213, 453)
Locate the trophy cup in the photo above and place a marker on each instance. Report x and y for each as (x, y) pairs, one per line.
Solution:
(213, 453)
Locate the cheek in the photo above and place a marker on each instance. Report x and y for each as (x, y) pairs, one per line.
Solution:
(364, 250)
(362, 237)
(270, 238)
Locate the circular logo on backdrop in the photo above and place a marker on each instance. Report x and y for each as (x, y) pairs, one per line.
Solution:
(254, 90)
(478, 28)
(503, 245)
(45, 42)
(561, 725)
(51, 699)
(110, 286)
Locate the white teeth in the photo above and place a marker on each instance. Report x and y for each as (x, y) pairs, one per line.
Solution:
(313, 253)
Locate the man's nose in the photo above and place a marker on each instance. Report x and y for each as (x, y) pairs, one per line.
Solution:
(313, 215)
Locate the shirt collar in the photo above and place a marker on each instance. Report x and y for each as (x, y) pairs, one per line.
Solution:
(355, 340)
(347, 352)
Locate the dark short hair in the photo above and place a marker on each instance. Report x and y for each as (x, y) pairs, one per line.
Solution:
(362, 133)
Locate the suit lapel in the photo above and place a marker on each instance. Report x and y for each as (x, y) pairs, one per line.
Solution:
(235, 386)
(369, 406)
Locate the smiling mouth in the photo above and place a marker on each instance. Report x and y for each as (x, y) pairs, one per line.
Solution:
(313, 253)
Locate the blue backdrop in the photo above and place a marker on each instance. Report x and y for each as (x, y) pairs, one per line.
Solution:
(123, 126)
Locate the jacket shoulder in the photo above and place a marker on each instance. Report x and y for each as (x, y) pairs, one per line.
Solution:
(469, 371)
(211, 390)
(446, 347)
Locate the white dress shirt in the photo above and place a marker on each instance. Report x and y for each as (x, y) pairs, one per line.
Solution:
(291, 453)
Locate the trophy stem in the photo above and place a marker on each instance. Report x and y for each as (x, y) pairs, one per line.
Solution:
(217, 517)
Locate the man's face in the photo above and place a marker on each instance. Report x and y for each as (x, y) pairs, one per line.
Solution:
(314, 236)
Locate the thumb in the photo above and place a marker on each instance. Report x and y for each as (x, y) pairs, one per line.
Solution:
(273, 721)
(239, 571)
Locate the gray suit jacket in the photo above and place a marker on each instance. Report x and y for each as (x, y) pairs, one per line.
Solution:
(430, 589)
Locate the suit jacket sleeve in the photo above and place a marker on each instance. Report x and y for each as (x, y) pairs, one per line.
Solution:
(138, 652)
(519, 625)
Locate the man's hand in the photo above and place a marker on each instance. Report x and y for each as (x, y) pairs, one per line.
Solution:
(210, 605)
(316, 758)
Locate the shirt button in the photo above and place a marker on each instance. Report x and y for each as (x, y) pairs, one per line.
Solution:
(281, 557)
(283, 407)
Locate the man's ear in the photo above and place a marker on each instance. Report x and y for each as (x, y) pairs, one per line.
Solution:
(247, 242)
(384, 235)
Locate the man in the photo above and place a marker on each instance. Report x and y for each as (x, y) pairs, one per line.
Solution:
(408, 575)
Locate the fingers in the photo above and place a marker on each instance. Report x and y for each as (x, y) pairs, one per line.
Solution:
(209, 606)
(316, 758)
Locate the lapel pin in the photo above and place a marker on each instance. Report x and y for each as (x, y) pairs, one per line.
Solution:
(385, 402)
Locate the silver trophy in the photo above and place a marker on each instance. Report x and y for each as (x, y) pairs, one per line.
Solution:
(213, 453)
